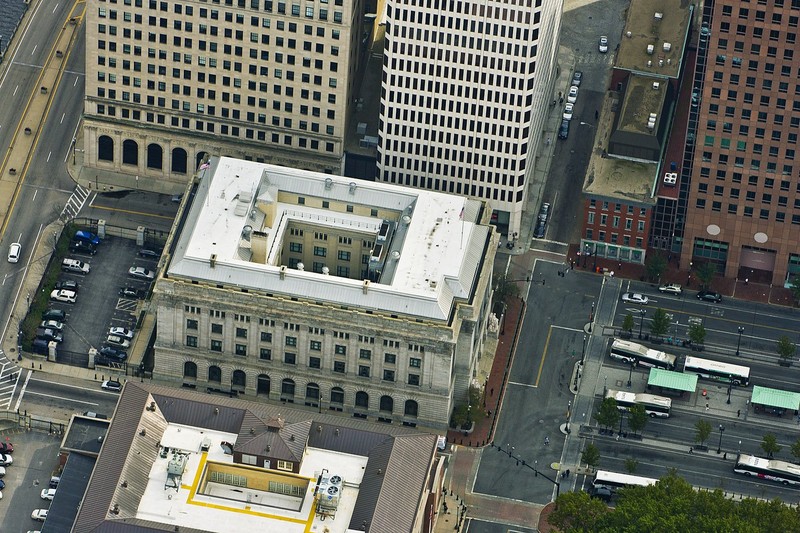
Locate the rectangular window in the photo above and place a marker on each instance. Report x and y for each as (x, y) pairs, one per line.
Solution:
(388, 375)
(241, 349)
(365, 354)
(290, 358)
(265, 354)
(415, 362)
(338, 367)
(413, 379)
(191, 324)
(241, 333)
(363, 371)
(389, 358)
(216, 346)
(191, 341)
(216, 329)
(314, 362)
(266, 336)
(338, 349)
(315, 346)
(291, 341)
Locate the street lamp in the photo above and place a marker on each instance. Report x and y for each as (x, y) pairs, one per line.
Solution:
(569, 412)
(739, 342)
(719, 446)
(583, 350)
(630, 373)
(591, 318)
(730, 384)
(642, 312)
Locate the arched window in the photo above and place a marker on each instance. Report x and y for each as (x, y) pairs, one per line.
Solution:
(214, 374)
(312, 391)
(130, 152)
(387, 404)
(362, 399)
(155, 156)
(179, 160)
(287, 388)
(190, 370)
(105, 148)
(263, 387)
(412, 408)
(238, 380)
(337, 396)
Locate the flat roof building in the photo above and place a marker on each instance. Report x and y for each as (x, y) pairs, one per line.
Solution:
(186, 461)
(359, 297)
(169, 81)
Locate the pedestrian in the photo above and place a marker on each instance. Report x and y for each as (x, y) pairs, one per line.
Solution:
(561, 100)
(617, 436)
(546, 441)
(596, 114)
(706, 406)
(738, 413)
(746, 281)
(567, 472)
(691, 450)
(491, 391)
(445, 507)
(725, 456)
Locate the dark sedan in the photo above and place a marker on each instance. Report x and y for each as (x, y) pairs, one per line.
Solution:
(709, 296)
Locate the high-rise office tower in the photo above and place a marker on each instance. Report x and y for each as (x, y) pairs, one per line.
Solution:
(743, 209)
(465, 88)
(168, 81)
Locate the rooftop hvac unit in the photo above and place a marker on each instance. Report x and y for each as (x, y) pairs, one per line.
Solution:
(329, 498)
(671, 179)
(176, 464)
(656, 85)
(658, 16)
(667, 47)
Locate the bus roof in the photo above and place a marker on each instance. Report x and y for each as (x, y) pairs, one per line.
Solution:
(643, 351)
(627, 479)
(717, 365)
(771, 464)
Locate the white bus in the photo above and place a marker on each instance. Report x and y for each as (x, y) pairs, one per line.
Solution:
(655, 406)
(771, 469)
(613, 481)
(628, 352)
(717, 371)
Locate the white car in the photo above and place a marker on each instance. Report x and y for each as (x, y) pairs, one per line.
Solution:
(6, 460)
(572, 95)
(116, 340)
(48, 494)
(64, 295)
(568, 109)
(602, 46)
(13, 252)
(141, 273)
(55, 325)
(39, 514)
(121, 332)
(635, 298)
(115, 386)
(671, 288)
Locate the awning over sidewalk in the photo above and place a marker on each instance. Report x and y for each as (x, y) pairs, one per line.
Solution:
(672, 380)
(775, 398)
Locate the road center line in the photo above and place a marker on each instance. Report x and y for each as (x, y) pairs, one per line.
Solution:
(62, 398)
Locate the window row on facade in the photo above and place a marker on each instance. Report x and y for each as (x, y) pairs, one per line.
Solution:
(187, 10)
(289, 391)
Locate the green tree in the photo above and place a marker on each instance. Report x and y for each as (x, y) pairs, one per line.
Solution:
(697, 333)
(660, 323)
(770, 445)
(702, 431)
(627, 323)
(786, 349)
(591, 455)
(576, 511)
(655, 265)
(631, 465)
(637, 418)
(607, 413)
(504, 288)
(795, 450)
(705, 272)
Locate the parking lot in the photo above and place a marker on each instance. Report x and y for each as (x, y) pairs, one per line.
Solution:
(35, 461)
(108, 296)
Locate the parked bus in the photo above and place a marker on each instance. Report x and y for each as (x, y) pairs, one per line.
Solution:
(630, 352)
(715, 370)
(613, 481)
(655, 406)
(771, 469)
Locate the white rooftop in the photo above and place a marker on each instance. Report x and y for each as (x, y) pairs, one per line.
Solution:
(432, 259)
(224, 507)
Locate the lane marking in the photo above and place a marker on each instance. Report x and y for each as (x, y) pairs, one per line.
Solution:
(22, 391)
(61, 398)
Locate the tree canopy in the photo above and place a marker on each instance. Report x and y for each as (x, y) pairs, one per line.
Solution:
(672, 506)
(660, 323)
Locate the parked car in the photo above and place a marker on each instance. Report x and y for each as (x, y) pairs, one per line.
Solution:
(41, 346)
(144, 252)
(13, 252)
(48, 494)
(74, 265)
(572, 95)
(541, 227)
(64, 295)
(39, 514)
(55, 325)
(115, 354)
(671, 288)
(82, 247)
(121, 332)
(635, 298)
(2, 471)
(54, 314)
(49, 335)
(116, 340)
(544, 210)
(141, 273)
(602, 45)
(5, 459)
(54, 481)
(86, 236)
(67, 284)
(568, 110)
(92, 414)
(577, 77)
(177, 198)
(6, 447)
(709, 296)
(563, 131)
(114, 386)
(130, 292)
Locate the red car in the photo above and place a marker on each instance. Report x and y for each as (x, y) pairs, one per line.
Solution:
(6, 447)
